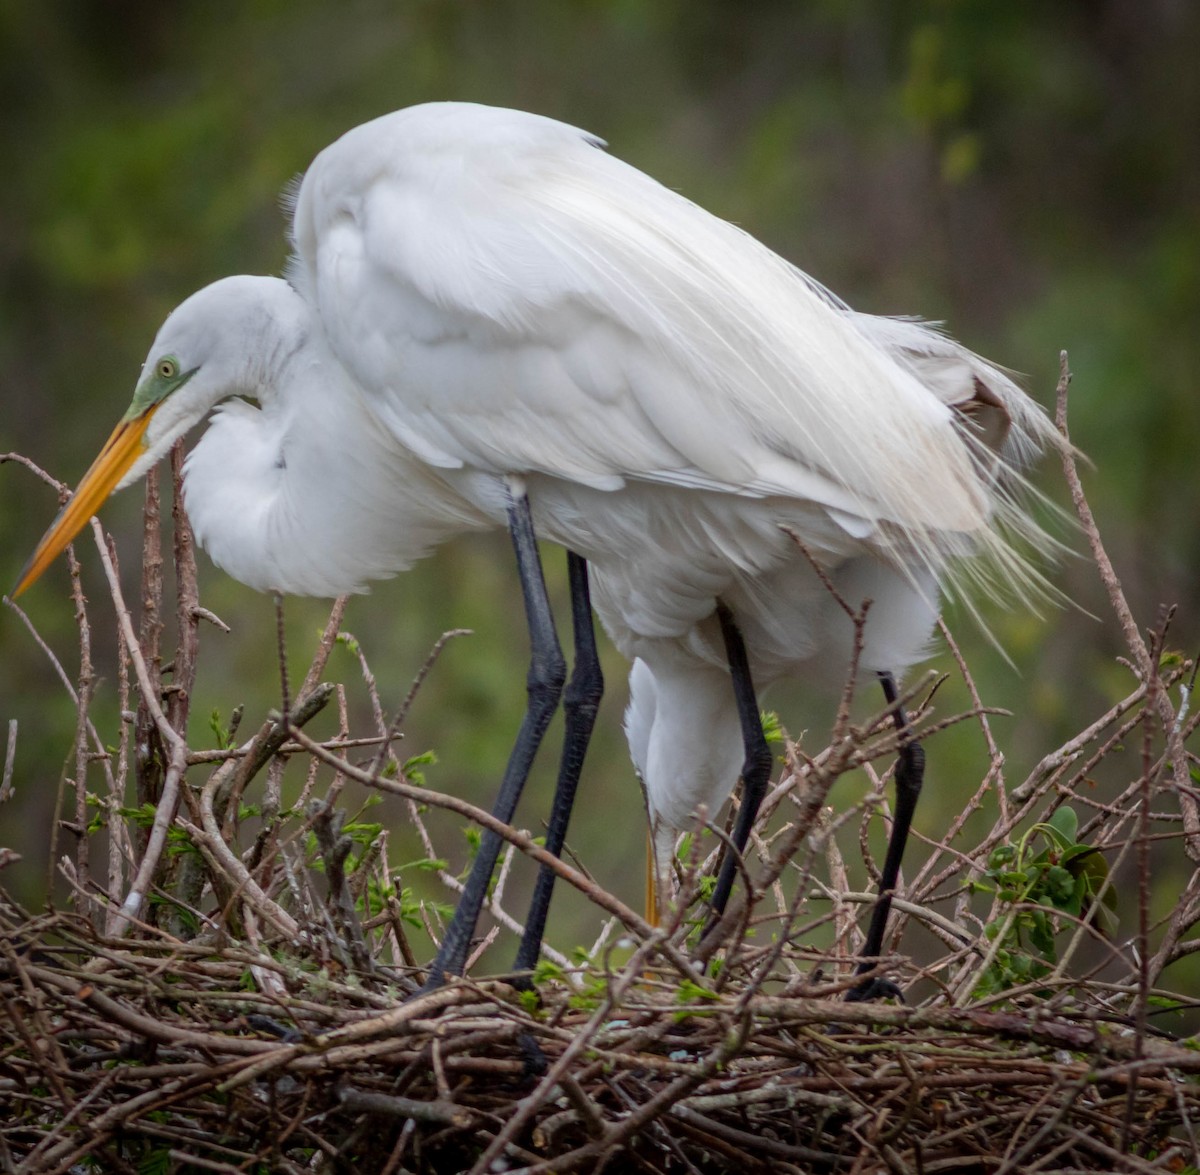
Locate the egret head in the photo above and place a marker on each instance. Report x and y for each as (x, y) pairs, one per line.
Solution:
(232, 337)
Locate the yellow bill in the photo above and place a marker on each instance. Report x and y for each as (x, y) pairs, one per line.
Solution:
(652, 898)
(119, 453)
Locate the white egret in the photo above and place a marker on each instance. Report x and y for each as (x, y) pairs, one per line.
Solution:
(490, 320)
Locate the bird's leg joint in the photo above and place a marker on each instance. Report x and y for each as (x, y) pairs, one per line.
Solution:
(546, 677)
(585, 689)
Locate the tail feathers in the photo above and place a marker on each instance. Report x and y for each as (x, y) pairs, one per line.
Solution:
(1007, 430)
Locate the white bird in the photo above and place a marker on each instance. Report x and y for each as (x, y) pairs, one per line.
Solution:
(489, 320)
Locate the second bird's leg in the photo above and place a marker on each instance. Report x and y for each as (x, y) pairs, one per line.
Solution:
(756, 770)
(547, 672)
(581, 701)
(910, 775)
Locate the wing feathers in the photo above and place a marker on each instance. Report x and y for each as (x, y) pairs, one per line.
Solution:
(550, 309)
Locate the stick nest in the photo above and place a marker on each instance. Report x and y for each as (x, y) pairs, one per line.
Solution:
(236, 987)
(232, 1059)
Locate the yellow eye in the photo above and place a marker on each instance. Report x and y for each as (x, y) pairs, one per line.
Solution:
(168, 368)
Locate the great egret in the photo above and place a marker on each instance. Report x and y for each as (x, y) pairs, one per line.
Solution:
(490, 320)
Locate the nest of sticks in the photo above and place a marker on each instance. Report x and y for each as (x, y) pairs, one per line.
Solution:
(236, 992)
(120, 1051)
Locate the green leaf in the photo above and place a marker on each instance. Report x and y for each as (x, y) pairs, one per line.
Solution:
(689, 992)
(1065, 823)
(1059, 885)
(143, 816)
(772, 727)
(427, 864)
(412, 769)
(1000, 857)
(1041, 934)
(547, 971)
(362, 833)
(220, 733)
(1092, 866)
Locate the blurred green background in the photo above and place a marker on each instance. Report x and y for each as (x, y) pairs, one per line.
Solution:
(1029, 173)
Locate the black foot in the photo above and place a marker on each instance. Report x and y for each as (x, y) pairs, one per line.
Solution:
(874, 989)
(273, 1028)
(533, 1060)
(435, 980)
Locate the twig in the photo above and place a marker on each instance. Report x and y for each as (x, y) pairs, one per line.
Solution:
(147, 741)
(324, 646)
(410, 697)
(10, 755)
(1146, 666)
(240, 768)
(443, 1113)
(1141, 1004)
(86, 681)
(281, 650)
(335, 848)
(209, 840)
(189, 877)
(177, 754)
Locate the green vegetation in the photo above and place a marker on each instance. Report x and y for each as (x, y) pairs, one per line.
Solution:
(1064, 878)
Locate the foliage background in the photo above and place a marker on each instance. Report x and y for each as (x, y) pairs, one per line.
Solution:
(1029, 173)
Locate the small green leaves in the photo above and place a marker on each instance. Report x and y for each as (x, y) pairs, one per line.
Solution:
(594, 989)
(474, 837)
(548, 971)
(180, 843)
(99, 818)
(693, 996)
(426, 864)
(772, 727)
(142, 816)
(690, 992)
(222, 733)
(1064, 878)
(412, 769)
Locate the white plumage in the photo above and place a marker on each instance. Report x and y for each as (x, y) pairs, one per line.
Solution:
(481, 294)
(267, 502)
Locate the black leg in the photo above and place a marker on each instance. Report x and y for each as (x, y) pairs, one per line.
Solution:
(756, 770)
(910, 774)
(547, 672)
(581, 701)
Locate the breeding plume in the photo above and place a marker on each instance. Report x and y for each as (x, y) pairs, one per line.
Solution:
(489, 320)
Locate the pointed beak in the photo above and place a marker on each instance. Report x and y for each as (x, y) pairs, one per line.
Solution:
(119, 453)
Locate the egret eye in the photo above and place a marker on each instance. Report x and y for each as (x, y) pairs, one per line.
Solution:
(168, 368)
